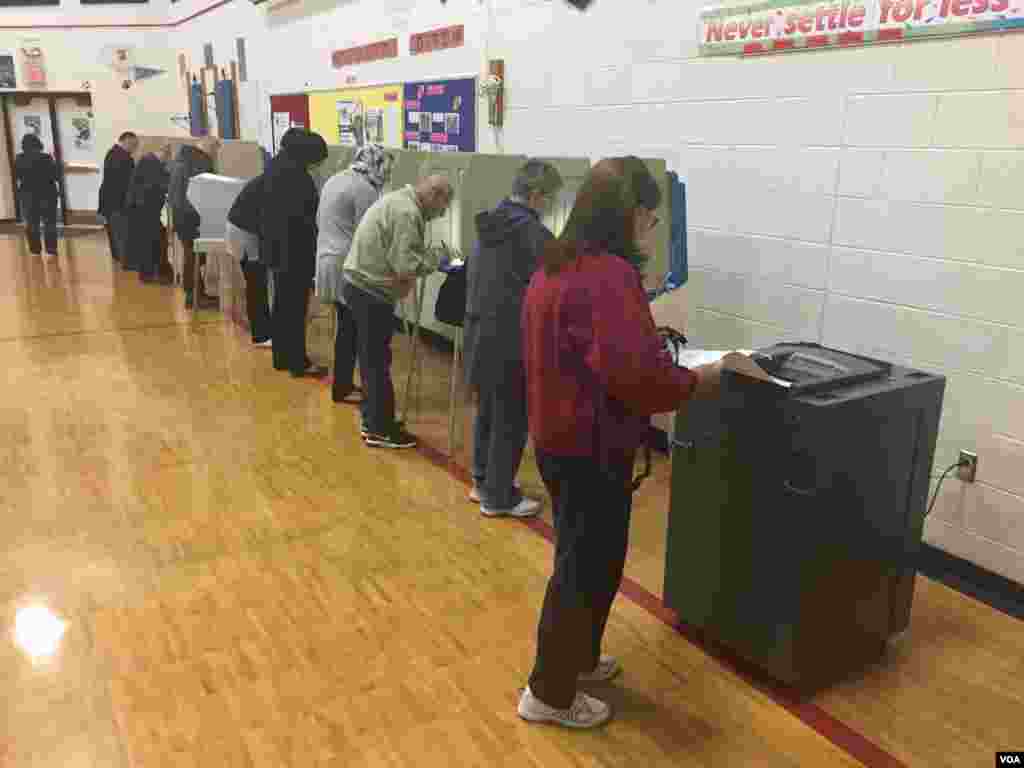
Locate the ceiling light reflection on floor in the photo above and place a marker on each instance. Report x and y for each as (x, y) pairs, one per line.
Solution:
(37, 631)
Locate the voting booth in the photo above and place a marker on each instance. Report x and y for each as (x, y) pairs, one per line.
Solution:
(212, 195)
(405, 169)
(479, 182)
(573, 171)
(797, 511)
(338, 159)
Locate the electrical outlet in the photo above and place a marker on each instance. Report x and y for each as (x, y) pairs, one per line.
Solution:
(969, 466)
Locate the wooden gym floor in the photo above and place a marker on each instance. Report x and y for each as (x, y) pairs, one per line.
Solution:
(245, 584)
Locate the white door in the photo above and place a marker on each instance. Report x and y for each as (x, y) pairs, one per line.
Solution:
(77, 128)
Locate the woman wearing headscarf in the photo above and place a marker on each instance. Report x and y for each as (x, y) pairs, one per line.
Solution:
(288, 240)
(36, 173)
(343, 201)
(147, 194)
(596, 371)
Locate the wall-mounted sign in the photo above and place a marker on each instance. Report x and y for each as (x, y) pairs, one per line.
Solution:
(440, 116)
(437, 40)
(781, 25)
(362, 54)
(33, 63)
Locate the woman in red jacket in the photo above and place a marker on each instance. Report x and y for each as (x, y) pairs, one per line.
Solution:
(596, 372)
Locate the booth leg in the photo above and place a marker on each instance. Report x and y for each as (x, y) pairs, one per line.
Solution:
(453, 395)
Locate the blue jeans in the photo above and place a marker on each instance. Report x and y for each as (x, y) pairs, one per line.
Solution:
(499, 438)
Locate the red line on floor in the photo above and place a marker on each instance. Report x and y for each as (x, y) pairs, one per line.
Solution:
(843, 736)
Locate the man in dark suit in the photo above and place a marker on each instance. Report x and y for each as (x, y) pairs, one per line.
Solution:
(118, 167)
(510, 241)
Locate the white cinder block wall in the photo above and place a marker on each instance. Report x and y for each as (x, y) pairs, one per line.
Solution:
(871, 199)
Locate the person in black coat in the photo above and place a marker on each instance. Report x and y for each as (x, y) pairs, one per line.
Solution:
(288, 244)
(191, 162)
(36, 173)
(118, 167)
(243, 237)
(148, 237)
(511, 239)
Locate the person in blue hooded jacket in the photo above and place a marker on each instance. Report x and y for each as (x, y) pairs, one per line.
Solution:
(510, 241)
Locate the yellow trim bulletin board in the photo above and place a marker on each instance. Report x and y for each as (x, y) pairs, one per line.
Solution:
(353, 116)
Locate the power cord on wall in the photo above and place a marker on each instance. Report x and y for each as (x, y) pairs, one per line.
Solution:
(935, 496)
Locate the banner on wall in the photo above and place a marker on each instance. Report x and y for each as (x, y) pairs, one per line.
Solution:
(440, 116)
(356, 116)
(781, 25)
(33, 63)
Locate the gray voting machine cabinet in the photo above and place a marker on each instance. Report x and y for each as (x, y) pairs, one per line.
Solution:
(797, 512)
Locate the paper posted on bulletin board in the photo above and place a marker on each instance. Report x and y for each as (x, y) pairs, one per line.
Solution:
(440, 116)
(356, 116)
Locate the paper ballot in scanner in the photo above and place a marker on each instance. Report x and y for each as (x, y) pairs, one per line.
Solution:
(212, 196)
(797, 508)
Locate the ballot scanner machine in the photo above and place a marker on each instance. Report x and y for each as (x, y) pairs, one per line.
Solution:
(797, 511)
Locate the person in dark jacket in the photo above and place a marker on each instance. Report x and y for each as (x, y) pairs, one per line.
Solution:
(36, 174)
(191, 162)
(510, 241)
(288, 244)
(596, 372)
(146, 197)
(118, 167)
(243, 237)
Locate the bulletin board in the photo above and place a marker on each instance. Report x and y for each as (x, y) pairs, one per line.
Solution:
(440, 116)
(354, 116)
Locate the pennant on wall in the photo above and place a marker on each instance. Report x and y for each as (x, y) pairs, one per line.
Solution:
(143, 73)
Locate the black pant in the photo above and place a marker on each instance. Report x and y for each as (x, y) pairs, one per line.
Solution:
(256, 304)
(148, 241)
(499, 437)
(345, 351)
(114, 234)
(374, 326)
(40, 209)
(591, 508)
(291, 302)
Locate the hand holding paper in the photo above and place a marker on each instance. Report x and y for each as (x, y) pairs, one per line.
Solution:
(738, 361)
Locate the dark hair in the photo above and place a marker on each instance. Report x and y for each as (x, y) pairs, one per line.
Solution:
(127, 136)
(304, 146)
(31, 143)
(603, 213)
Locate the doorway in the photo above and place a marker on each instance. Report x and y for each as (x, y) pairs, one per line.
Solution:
(64, 123)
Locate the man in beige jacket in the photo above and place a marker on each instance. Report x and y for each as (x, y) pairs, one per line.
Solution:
(388, 254)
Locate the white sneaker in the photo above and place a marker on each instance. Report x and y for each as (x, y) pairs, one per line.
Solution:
(264, 344)
(584, 712)
(607, 668)
(525, 508)
(474, 492)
